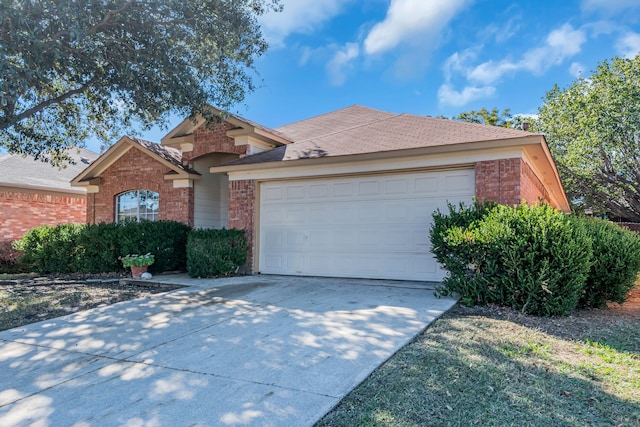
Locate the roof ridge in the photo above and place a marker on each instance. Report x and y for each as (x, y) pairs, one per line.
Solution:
(329, 112)
(394, 115)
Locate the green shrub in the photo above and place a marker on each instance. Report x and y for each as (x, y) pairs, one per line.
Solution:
(99, 246)
(48, 249)
(166, 240)
(215, 252)
(532, 258)
(616, 263)
(96, 248)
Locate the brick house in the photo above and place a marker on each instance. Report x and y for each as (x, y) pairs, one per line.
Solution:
(349, 193)
(33, 193)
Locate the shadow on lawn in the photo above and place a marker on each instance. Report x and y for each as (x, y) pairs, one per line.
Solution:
(462, 372)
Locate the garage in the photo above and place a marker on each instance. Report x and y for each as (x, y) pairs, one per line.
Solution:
(366, 226)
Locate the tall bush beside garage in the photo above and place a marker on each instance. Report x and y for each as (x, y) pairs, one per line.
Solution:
(616, 263)
(215, 252)
(532, 258)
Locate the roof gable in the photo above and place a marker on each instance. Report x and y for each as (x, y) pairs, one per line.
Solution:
(168, 156)
(241, 127)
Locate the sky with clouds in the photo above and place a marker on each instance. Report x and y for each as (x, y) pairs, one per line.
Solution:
(430, 57)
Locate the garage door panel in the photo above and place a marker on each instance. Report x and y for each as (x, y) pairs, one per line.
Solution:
(365, 226)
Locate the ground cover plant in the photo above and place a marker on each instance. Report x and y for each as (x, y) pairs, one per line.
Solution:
(494, 366)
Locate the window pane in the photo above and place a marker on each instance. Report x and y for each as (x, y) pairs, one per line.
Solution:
(137, 205)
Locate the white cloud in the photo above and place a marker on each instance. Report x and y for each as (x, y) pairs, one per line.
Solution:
(560, 44)
(338, 67)
(609, 6)
(449, 96)
(298, 16)
(411, 21)
(629, 45)
(576, 69)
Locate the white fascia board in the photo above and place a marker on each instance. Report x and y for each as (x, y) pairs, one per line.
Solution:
(353, 166)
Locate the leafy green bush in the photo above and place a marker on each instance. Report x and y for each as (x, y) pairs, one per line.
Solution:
(166, 240)
(616, 263)
(215, 252)
(96, 248)
(532, 258)
(48, 249)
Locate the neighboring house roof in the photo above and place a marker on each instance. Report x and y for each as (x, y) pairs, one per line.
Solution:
(24, 172)
(170, 157)
(361, 130)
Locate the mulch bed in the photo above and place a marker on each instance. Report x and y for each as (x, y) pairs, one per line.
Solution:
(31, 299)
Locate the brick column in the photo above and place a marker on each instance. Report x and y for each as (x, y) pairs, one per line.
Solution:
(242, 201)
(499, 181)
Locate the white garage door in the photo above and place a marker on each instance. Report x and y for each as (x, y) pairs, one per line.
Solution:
(374, 226)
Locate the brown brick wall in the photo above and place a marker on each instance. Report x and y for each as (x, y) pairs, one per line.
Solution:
(508, 182)
(22, 210)
(242, 201)
(214, 140)
(532, 189)
(136, 170)
(498, 180)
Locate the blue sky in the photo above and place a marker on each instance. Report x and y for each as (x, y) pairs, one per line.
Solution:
(429, 57)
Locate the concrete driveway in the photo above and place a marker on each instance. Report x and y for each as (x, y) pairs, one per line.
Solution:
(256, 350)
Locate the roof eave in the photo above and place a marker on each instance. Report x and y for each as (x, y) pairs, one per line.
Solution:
(437, 149)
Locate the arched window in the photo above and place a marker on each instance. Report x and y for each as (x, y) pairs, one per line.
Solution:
(137, 205)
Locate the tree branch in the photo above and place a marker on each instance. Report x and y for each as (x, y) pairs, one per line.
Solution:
(44, 104)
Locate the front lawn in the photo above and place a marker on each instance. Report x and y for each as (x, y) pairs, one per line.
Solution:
(497, 367)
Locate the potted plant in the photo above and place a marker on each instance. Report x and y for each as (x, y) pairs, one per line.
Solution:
(138, 263)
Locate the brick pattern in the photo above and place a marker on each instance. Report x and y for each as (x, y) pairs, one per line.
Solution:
(498, 180)
(242, 201)
(508, 182)
(532, 189)
(215, 140)
(21, 211)
(136, 170)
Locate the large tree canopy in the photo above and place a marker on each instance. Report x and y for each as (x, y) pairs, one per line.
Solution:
(593, 131)
(70, 69)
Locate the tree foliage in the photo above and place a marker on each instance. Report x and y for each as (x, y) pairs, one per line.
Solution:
(486, 117)
(593, 131)
(495, 117)
(70, 69)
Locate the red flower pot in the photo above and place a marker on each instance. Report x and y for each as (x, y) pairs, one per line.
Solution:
(136, 271)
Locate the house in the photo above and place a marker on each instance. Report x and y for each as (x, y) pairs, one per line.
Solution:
(349, 193)
(34, 193)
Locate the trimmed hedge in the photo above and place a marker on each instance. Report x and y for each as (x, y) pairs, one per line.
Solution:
(615, 266)
(533, 258)
(213, 253)
(96, 248)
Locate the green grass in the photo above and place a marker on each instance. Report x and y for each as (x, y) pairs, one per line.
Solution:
(472, 369)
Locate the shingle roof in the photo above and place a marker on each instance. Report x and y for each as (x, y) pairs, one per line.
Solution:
(170, 154)
(16, 170)
(360, 130)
